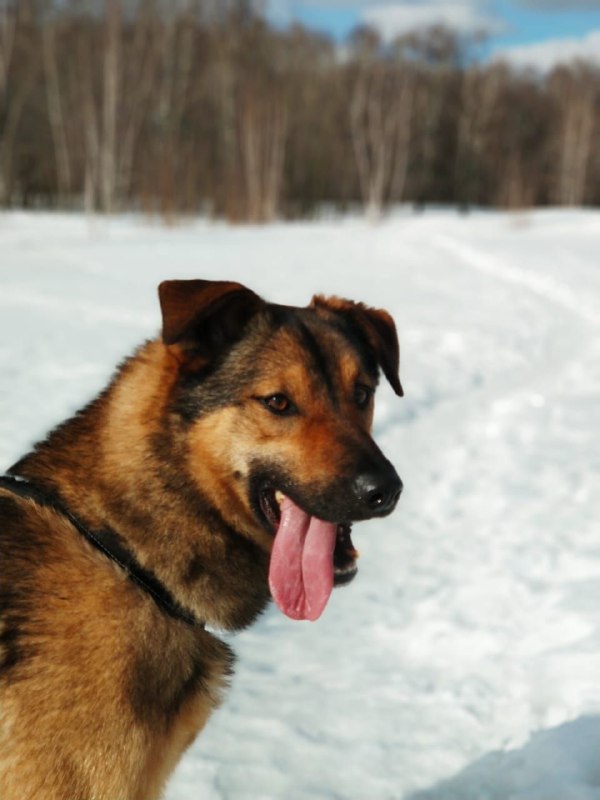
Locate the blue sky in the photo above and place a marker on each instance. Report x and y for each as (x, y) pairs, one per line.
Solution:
(536, 32)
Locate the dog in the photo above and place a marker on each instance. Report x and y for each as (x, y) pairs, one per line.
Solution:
(222, 466)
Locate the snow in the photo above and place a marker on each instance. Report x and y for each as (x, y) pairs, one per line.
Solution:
(464, 661)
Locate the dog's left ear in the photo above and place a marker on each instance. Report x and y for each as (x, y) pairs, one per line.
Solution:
(205, 315)
(378, 328)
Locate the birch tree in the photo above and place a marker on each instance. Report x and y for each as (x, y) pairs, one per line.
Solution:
(380, 116)
(576, 93)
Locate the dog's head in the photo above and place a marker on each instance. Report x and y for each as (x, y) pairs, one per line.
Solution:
(277, 407)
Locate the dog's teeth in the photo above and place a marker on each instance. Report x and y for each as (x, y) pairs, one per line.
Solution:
(279, 496)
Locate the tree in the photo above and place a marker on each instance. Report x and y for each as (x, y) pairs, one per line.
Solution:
(55, 109)
(575, 91)
(478, 97)
(19, 69)
(380, 117)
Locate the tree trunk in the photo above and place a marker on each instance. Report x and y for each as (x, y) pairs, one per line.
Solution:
(91, 134)
(380, 121)
(141, 65)
(7, 37)
(111, 76)
(263, 126)
(576, 138)
(55, 112)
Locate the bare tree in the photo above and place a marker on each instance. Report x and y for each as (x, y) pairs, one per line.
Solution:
(175, 62)
(478, 97)
(117, 71)
(251, 71)
(402, 145)
(139, 78)
(19, 77)
(8, 22)
(110, 103)
(89, 116)
(516, 143)
(263, 126)
(380, 114)
(576, 90)
(55, 109)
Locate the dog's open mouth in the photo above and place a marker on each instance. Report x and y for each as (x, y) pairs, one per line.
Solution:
(310, 556)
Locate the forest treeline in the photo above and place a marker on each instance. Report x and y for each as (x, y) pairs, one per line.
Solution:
(202, 106)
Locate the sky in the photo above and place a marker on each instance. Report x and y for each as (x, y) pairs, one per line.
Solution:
(536, 33)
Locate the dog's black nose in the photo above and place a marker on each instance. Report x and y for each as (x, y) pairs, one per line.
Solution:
(378, 490)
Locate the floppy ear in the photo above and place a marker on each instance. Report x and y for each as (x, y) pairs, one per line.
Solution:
(377, 326)
(205, 315)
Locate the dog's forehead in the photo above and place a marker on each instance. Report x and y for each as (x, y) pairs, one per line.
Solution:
(323, 343)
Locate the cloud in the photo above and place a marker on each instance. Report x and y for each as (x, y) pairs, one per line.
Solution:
(463, 16)
(545, 55)
(392, 17)
(561, 5)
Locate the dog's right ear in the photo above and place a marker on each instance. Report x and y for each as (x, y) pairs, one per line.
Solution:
(206, 316)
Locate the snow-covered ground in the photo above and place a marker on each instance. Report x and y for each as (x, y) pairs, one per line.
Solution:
(464, 661)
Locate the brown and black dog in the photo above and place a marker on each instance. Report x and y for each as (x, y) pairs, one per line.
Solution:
(222, 465)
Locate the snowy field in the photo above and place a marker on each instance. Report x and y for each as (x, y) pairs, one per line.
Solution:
(464, 661)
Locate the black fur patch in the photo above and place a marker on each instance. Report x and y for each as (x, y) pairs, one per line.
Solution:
(195, 570)
(319, 359)
(157, 690)
(357, 341)
(219, 383)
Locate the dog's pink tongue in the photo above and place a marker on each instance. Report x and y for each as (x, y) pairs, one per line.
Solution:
(301, 567)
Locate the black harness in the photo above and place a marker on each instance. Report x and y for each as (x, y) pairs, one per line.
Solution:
(107, 542)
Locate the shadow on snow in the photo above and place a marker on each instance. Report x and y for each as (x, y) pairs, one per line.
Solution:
(561, 763)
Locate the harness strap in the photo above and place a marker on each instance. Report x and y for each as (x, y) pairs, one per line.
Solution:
(107, 542)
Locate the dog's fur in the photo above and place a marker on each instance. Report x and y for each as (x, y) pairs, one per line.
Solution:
(101, 690)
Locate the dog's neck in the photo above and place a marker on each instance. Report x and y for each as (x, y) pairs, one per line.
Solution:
(106, 542)
(117, 465)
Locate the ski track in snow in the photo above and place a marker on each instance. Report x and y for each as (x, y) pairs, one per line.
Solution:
(464, 661)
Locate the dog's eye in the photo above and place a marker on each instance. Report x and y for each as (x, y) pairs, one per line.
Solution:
(278, 403)
(362, 395)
